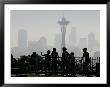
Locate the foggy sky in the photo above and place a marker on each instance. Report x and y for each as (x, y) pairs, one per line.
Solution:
(44, 23)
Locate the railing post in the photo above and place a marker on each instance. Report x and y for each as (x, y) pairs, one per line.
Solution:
(98, 69)
(92, 63)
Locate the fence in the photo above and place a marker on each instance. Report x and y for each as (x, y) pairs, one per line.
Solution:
(94, 66)
(94, 62)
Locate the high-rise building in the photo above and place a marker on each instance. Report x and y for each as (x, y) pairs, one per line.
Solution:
(57, 40)
(72, 36)
(43, 42)
(92, 43)
(22, 38)
(82, 43)
(37, 46)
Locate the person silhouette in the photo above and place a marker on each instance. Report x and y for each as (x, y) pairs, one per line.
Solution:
(86, 60)
(35, 61)
(72, 64)
(65, 62)
(47, 61)
(11, 58)
(54, 56)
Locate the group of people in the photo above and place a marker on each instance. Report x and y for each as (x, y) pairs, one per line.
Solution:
(51, 64)
(66, 64)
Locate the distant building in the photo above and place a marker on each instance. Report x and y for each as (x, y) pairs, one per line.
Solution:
(92, 42)
(37, 46)
(72, 36)
(57, 40)
(43, 42)
(82, 43)
(32, 47)
(16, 52)
(97, 54)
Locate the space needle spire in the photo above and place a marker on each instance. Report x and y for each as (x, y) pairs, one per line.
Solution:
(63, 23)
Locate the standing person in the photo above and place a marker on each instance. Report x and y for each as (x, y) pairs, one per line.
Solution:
(86, 61)
(47, 61)
(54, 56)
(65, 62)
(35, 62)
(72, 63)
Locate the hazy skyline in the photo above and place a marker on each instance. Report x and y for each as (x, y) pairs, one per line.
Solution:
(45, 23)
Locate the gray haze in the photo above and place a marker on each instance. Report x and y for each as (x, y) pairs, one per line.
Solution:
(42, 26)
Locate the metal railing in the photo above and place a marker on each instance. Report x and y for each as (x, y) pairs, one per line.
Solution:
(78, 65)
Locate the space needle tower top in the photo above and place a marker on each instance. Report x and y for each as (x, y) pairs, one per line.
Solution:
(63, 23)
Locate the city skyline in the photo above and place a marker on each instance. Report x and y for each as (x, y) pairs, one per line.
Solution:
(19, 21)
(27, 47)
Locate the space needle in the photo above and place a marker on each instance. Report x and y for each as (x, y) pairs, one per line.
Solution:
(63, 23)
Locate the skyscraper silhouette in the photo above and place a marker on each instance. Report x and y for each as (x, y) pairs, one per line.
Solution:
(82, 43)
(72, 36)
(92, 42)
